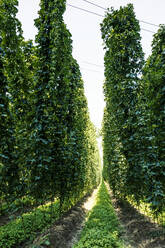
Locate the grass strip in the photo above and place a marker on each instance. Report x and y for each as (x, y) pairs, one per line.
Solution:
(26, 226)
(102, 228)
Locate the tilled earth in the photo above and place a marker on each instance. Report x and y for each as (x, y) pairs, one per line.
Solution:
(66, 231)
(139, 231)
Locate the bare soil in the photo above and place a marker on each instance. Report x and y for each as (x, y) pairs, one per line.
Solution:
(65, 232)
(139, 230)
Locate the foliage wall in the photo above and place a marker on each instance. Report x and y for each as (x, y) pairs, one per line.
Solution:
(48, 144)
(133, 130)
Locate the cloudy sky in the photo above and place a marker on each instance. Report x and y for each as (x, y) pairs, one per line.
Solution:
(86, 36)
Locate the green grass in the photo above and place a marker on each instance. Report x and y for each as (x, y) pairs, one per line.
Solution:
(26, 227)
(102, 228)
(21, 229)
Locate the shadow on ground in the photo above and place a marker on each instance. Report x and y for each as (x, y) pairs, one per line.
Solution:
(64, 232)
(139, 230)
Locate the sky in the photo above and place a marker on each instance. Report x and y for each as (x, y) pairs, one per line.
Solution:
(87, 42)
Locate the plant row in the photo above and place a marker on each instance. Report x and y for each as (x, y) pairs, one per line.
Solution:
(48, 144)
(134, 117)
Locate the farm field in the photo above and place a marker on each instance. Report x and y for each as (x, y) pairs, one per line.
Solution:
(98, 220)
(56, 190)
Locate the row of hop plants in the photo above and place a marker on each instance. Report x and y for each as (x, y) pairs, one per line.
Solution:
(48, 145)
(134, 116)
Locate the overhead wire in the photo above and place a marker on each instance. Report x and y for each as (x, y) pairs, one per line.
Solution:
(149, 23)
(96, 5)
(89, 63)
(92, 64)
(91, 12)
(82, 68)
(147, 30)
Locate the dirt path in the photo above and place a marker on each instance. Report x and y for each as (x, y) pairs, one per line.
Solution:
(65, 232)
(140, 232)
